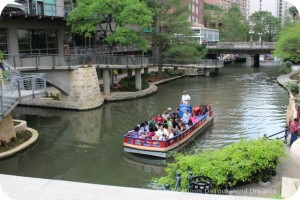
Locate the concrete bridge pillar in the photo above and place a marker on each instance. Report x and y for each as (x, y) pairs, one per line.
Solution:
(7, 128)
(255, 60)
(138, 79)
(106, 81)
(129, 72)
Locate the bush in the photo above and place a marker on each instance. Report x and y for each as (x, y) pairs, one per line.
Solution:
(247, 160)
(128, 84)
(286, 68)
(292, 87)
(14, 142)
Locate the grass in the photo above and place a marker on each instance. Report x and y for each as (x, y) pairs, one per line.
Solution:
(20, 139)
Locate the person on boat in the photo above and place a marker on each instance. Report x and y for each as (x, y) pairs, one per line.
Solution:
(174, 122)
(185, 99)
(186, 117)
(165, 115)
(134, 132)
(171, 131)
(181, 127)
(161, 131)
(143, 128)
(151, 133)
(159, 119)
(194, 119)
(294, 128)
(169, 123)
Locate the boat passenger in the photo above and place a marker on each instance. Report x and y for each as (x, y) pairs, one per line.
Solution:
(181, 127)
(194, 119)
(186, 117)
(161, 131)
(134, 132)
(151, 133)
(142, 127)
(169, 122)
(159, 119)
(171, 131)
(165, 115)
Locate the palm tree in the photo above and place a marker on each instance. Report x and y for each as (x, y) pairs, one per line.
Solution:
(294, 12)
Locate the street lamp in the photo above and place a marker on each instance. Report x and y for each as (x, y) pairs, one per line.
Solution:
(251, 33)
(260, 34)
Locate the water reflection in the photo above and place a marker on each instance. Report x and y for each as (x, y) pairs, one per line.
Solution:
(87, 146)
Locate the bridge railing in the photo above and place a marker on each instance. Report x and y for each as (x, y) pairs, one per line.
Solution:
(242, 45)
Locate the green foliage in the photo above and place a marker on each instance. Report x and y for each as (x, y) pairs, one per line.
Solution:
(21, 138)
(128, 84)
(246, 160)
(264, 22)
(292, 87)
(119, 21)
(171, 17)
(288, 43)
(181, 53)
(54, 96)
(234, 28)
(286, 68)
(167, 73)
(1, 57)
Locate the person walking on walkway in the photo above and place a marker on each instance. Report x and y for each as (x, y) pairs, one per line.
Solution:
(294, 128)
(115, 73)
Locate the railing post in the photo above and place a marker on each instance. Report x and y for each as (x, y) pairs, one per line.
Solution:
(14, 58)
(33, 86)
(19, 88)
(69, 59)
(36, 63)
(53, 62)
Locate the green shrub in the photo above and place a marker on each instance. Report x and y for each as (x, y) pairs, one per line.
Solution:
(286, 68)
(246, 160)
(128, 84)
(14, 142)
(292, 87)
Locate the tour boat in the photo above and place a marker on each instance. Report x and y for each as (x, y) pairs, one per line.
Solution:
(166, 148)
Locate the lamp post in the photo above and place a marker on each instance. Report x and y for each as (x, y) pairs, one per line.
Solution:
(260, 34)
(251, 33)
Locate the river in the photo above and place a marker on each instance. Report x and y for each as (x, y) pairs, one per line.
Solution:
(86, 146)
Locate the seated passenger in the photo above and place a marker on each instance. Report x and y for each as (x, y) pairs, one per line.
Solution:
(194, 119)
(134, 132)
(165, 115)
(186, 117)
(151, 133)
(159, 119)
(171, 131)
(161, 131)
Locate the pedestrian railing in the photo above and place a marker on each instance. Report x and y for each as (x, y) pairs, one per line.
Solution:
(279, 135)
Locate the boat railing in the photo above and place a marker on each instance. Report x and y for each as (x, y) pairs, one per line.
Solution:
(285, 131)
(168, 142)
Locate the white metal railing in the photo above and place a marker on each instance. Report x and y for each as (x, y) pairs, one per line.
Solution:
(242, 45)
(15, 85)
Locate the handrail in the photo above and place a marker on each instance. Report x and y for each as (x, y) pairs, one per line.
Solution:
(285, 131)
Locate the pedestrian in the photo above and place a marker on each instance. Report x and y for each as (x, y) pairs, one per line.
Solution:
(115, 73)
(294, 128)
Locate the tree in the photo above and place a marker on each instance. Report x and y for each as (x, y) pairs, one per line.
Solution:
(119, 21)
(288, 44)
(170, 23)
(264, 22)
(213, 16)
(234, 26)
(294, 12)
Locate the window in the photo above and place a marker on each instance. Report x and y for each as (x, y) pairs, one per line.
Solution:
(35, 41)
(3, 40)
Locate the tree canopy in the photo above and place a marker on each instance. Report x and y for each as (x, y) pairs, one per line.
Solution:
(118, 21)
(264, 22)
(170, 23)
(288, 44)
(234, 28)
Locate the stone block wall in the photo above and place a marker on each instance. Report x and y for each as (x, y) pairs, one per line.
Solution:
(7, 128)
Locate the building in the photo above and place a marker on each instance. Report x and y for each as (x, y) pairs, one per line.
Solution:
(242, 4)
(38, 28)
(197, 12)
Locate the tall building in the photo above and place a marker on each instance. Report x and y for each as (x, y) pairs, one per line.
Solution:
(197, 12)
(242, 4)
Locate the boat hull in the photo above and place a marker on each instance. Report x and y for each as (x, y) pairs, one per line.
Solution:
(171, 146)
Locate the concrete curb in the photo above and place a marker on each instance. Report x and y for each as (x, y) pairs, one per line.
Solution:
(23, 146)
(119, 96)
(20, 127)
